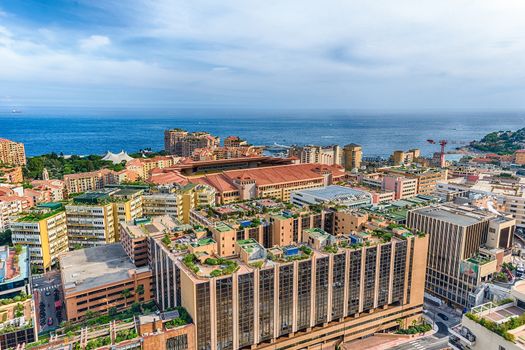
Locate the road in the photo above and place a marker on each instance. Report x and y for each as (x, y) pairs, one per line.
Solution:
(44, 287)
(427, 343)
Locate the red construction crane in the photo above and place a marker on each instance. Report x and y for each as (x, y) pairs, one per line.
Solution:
(442, 143)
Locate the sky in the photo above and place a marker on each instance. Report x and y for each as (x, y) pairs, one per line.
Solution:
(341, 54)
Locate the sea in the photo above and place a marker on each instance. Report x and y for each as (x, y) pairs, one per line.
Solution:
(99, 131)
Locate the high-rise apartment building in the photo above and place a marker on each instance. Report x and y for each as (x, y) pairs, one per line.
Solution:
(466, 247)
(296, 296)
(12, 153)
(352, 156)
(179, 202)
(328, 155)
(91, 222)
(182, 143)
(44, 232)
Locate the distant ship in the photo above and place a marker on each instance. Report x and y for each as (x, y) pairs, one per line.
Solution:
(15, 111)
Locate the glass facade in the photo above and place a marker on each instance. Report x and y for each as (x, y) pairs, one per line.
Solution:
(224, 309)
(321, 290)
(354, 282)
(305, 223)
(177, 343)
(338, 286)
(398, 283)
(246, 301)
(318, 221)
(329, 221)
(203, 316)
(285, 298)
(304, 289)
(370, 278)
(296, 230)
(384, 274)
(266, 301)
(267, 236)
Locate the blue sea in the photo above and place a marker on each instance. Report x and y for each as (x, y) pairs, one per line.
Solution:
(378, 132)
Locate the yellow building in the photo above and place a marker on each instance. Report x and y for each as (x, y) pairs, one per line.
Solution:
(179, 202)
(93, 218)
(44, 231)
(12, 153)
(352, 155)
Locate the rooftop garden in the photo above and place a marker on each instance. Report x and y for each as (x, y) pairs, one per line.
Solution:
(501, 329)
(304, 252)
(17, 299)
(39, 215)
(383, 235)
(224, 266)
(183, 319)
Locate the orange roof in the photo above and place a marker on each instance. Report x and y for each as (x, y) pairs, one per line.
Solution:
(219, 181)
(162, 178)
(281, 174)
(520, 151)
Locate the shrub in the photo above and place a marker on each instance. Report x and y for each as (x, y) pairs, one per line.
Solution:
(215, 273)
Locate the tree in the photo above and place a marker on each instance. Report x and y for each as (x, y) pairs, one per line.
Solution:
(5, 237)
(112, 311)
(140, 289)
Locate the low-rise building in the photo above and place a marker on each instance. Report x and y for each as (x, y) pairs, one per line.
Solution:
(497, 324)
(11, 174)
(14, 271)
(270, 182)
(332, 195)
(401, 186)
(427, 178)
(102, 278)
(90, 181)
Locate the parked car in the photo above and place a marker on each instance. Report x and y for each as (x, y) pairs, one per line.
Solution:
(443, 316)
(47, 293)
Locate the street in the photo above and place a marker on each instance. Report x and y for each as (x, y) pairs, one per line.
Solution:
(48, 292)
(427, 343)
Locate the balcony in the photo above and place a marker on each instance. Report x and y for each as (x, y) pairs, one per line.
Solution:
(463, 333)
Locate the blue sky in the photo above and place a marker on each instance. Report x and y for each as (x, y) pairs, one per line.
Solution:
(381, 54)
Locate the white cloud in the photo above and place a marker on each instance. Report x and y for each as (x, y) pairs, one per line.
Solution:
(94, 42)
(354, 53)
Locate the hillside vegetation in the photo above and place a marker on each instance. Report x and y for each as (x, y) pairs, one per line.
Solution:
(501, 142)
(58, 166)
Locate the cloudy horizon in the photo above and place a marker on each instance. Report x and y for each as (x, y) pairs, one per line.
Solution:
(262, 54)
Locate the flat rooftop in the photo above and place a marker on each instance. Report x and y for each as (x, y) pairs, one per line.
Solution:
(457, 215)
(334, 192)
(89, 268)
(145, 227)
